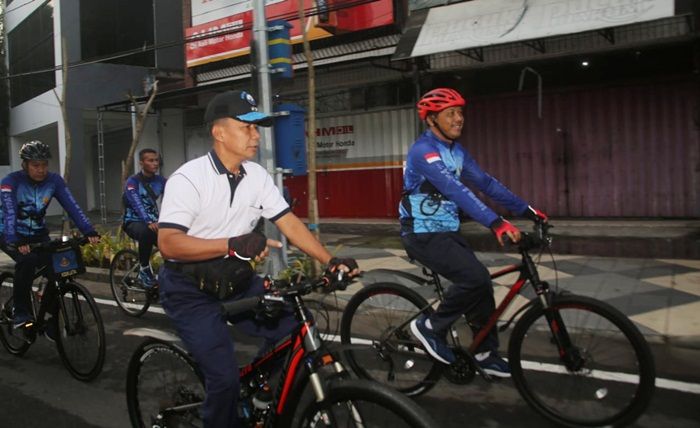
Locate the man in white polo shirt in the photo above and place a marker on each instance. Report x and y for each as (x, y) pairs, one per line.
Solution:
(210, 209)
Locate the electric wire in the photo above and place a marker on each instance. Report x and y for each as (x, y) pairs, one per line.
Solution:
(313, 11)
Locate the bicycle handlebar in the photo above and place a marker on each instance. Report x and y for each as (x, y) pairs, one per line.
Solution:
(59, 242)
(280, 290)
(537, 239)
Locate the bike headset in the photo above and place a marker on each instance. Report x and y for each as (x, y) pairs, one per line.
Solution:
(435, 101)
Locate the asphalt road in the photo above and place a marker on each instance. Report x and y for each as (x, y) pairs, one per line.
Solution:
(36, 391)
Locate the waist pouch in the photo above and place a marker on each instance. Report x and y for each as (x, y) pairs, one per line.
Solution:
(222, 278)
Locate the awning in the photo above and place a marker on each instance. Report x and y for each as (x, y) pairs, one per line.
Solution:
(478, 23)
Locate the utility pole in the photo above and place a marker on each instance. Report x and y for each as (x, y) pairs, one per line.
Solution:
(266, 153)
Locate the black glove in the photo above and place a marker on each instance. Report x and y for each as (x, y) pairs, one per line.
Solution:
(92, 233)
(15, 245)
(335, 262)
(247, 246)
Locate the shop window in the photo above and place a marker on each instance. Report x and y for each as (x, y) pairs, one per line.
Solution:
(30, 54)
(113, 27)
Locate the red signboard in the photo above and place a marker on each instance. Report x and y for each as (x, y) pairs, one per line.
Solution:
(225, 42)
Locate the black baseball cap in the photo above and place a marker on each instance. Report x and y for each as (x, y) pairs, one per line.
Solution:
(239, 105)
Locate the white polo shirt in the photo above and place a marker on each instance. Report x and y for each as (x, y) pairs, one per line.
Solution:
(203, 199)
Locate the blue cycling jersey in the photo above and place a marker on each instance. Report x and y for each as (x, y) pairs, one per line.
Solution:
(139, 203)
(433, 191)
(24, 204)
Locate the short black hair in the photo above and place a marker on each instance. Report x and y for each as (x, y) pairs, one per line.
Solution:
(147, 150)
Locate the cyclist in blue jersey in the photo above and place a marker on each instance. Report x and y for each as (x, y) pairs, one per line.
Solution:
(25, 196)
(434, 194)
(141, 193)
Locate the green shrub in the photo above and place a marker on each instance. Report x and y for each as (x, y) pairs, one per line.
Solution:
(111, 242)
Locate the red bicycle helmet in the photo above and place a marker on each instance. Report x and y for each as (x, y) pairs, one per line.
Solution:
(438, 100)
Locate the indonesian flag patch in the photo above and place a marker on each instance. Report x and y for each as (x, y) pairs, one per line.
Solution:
(6, 188)
(432, 157)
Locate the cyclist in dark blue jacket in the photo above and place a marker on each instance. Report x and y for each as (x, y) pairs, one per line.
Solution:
(141, 194)
(434, 194)
(26, 195)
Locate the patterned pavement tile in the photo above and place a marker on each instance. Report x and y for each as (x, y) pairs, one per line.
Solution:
(639, 303)
(695, 264)
(687, 282)
(657, 268)
(605, 285)
(609, 264)
(577, 267)
(390, 262)
(683, 320)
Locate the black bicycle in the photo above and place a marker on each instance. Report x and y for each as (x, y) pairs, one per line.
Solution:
(80, 332)
(128, 290)
(575, 360)
(164, 387)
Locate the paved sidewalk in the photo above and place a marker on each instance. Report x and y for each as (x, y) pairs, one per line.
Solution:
(662, 296)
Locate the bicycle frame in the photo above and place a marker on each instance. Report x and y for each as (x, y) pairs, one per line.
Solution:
(51, 291)
(528, 272)
(304, 348)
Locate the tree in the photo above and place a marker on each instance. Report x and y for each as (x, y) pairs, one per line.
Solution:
(66, 125)
(311, 142)
(141, 115)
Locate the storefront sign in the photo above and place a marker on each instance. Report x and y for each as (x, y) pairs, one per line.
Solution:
(222, 30)
(489, 22)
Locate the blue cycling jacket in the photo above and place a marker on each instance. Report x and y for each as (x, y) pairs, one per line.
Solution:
(24, 204)
(433, 191)
(139, 204)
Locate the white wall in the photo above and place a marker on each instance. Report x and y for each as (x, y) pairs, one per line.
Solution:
(172, 136)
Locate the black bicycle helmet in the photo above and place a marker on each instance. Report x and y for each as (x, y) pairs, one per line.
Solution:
(35, 150)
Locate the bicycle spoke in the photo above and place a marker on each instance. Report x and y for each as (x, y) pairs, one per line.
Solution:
(602, 377)
(127, 289)
(162, 385)
(80, 333)
(379, 317)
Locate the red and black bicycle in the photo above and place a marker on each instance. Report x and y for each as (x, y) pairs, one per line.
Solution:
(165, 388)
(575, 360)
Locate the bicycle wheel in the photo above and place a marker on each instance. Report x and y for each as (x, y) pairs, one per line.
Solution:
(163, 387)
(81, 333)
(608, 376)
(379, 316)
(13, 340)
(362, 403)
(126, 287)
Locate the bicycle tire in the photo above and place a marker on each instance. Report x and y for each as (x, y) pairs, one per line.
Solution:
(362, 403)
(126, 287)
(591, 393)
(160, 376)
(81, 333)
(397, 360)
(13, 340)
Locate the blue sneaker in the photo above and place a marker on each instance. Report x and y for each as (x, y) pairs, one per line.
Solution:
(146, 277)
(21, 321)
(493, 364)
(433, 343)
(23, 324)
